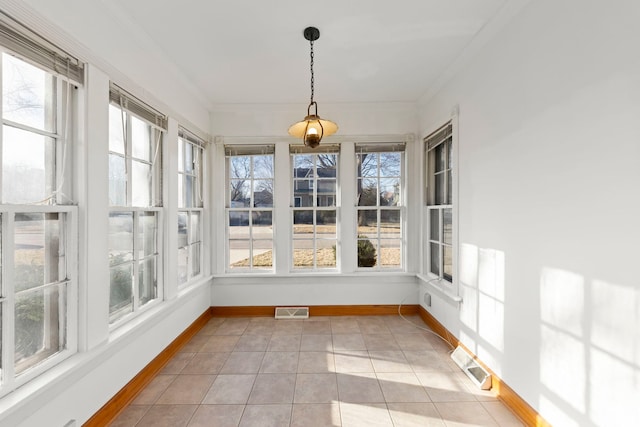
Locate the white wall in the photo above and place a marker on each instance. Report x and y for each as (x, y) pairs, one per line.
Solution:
(549, 166)
(261, 124)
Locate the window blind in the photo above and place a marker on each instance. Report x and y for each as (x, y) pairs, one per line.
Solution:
(439, 136)
(380, 147)
(191, 137)
(122, 98)
(248, 150)
(323, 149)
(32, 47)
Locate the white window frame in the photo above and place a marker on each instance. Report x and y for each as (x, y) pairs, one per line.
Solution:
(443, 135)
(312, 177)
(132, 107)
(32, 49)
(251, 151)
(190, 141)
(377, 149)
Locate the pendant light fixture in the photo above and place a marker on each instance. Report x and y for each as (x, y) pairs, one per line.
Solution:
(312, 128)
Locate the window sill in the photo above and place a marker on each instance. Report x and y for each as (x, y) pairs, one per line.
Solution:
(441, 286)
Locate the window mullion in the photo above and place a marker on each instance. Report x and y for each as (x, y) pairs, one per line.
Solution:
(8, 309)
(128, 150)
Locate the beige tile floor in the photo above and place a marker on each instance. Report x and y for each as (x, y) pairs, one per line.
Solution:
(323, 371)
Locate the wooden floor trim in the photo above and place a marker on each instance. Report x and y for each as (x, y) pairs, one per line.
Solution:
(510, 398)
(125, 396)
(316, 310)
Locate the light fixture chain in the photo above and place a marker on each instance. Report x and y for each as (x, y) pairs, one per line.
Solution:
(311, 42)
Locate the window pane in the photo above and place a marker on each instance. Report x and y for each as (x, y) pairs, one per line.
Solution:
(141, 184)
(140, 139)
(449, 187)
(121, 295)
(303, 224)
(238, 221)
(367, 222)
(120, 237)
(181, 197)
(303, 165)
(325, 253)
(367, 165)
(390, 223)
(303, 253)
(40, 323)
(146, 234)
(263, 193)
(187, 164)
(28, 94)
(183, 262)
(261, 221)
(390, 253)
(240, 193)
(439, 157)
(447, 263)
(37, 250)
(240, 167)
(434, 250)
(117, 181)
(116, 130)
(446, 225)
(303, 191)
(147, 280)
(326, 224)
(367, 252)
(194, 229)
(183, 229)
(263, 254)
(189, 191)
(239, 253)
(263, 166)
(389, 191)
(390, 164)
(181, 148)
(195, 259)
(434, 224)
(326, 192)
(439, 189)
(367, 192)
(28, 166)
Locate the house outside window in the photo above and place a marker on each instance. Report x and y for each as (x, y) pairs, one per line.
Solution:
(314, 215)
(250, 186)
(380, 205)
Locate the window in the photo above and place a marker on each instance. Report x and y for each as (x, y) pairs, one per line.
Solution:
(135, 189)
(250, 181)
(38, 286)
(439, 150)
(380, 174)
(315, 178)
(190, 206)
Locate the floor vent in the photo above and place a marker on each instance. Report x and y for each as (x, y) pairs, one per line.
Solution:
(478, 375)
(292, 312)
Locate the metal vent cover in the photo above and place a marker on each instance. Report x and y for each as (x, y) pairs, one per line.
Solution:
(292, 312)
(478, 375)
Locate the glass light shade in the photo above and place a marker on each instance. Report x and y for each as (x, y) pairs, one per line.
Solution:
(312, 129)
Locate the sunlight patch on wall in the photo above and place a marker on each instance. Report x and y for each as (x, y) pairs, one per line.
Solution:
(562, 366)
(491, 273)
(469, 285)
(614, 398)
(615, 320)
(555, 415)
(562, 300)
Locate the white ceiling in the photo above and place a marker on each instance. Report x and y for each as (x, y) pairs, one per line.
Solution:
(252, 51)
